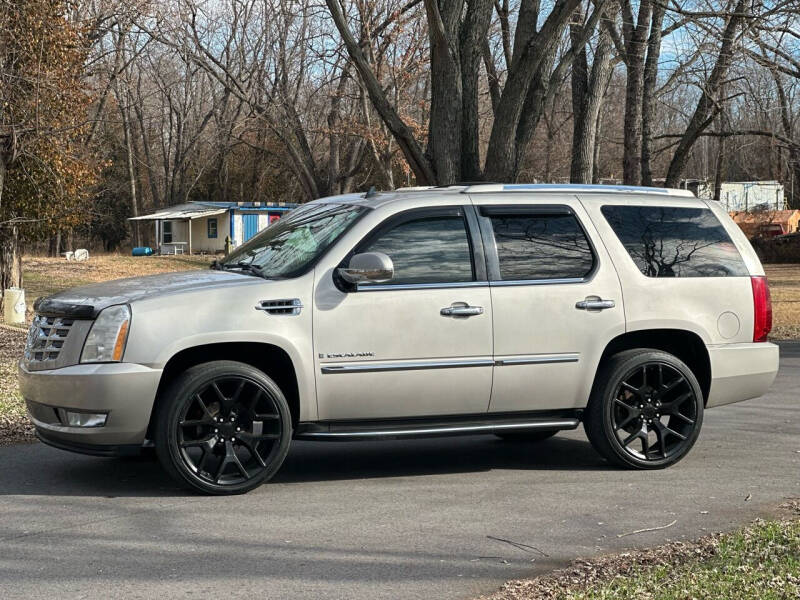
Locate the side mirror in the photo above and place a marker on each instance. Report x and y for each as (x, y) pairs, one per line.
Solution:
(369, 267)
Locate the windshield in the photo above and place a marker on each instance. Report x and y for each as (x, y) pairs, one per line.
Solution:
(290, 245)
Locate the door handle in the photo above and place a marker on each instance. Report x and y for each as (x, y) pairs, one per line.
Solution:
(461, 310)
(594, 303)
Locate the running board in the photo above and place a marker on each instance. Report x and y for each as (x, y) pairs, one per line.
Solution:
(437, 427)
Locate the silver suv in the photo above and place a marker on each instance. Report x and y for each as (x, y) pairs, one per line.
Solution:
(514, 310)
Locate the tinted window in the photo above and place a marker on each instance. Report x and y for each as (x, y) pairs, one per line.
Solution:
(541, 246)
(675, 242)
(431, 250)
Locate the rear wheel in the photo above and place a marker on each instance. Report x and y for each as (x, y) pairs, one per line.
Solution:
(646, 410)
(223, 427)
(525, 436)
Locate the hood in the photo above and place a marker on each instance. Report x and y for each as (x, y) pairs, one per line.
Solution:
(88, 300)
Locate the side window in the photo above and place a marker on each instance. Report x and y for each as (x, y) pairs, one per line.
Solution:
(675, 241)
(427, 250)
(212, 228)
(541, 246)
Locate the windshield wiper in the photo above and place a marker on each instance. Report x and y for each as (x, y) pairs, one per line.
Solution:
(245, 266)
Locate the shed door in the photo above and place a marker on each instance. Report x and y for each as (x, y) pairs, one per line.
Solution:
(250, 226)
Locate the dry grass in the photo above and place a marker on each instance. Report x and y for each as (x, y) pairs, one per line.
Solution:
(784, 286)
(44, 276)
(760, 561)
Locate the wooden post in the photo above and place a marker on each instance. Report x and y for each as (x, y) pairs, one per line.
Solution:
(189, 225)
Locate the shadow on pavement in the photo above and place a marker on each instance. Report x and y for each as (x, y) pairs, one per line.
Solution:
(40, 470)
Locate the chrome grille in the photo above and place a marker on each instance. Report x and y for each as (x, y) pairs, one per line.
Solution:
(46, 338)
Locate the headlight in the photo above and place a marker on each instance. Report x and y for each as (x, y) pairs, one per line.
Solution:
(107, 337)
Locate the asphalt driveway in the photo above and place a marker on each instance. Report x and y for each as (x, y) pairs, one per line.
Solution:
(381, 520)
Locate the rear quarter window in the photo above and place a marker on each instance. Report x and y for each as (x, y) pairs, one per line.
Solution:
(675, 241)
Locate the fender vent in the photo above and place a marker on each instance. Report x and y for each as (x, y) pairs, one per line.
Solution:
(291, 306)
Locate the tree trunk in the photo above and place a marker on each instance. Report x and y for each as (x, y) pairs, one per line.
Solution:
(579, 85)
(531, 53)
(635, 48)
(649, 92)
(718, 171)
(126, 132)
(157, 200)
(794, 176)
(10, 259)
(471, 43)
(10, 256)
(532, 111)
(632, 127)
(444, 126)
(596, 158)
(588, 92)
(788, 130)
(333, 187)
(719, 174)
(709, 102)
(2, 181)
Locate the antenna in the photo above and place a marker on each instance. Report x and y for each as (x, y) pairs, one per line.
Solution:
(371, 193)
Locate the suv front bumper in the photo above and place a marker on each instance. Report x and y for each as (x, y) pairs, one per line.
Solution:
(124, 391)
(741, 371)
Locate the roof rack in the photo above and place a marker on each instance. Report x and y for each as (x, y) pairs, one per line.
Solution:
(575, 188)
(415, 188)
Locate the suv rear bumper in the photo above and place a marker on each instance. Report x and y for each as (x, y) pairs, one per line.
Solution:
(124, 391)
(741, 371)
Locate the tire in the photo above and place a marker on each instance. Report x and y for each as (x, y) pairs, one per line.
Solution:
(645, 399)
(525, 436)
(222, 427)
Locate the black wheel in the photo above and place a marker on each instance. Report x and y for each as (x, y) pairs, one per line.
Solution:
(525, 436)
(646, 410)
(223, 427)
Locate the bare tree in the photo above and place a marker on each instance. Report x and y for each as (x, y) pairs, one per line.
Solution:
(710, 101)
(588, 90)
(458, 44)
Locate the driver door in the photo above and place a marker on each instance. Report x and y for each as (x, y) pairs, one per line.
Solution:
(395, 349)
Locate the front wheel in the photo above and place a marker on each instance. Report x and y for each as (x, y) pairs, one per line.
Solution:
(222, 427)
(645, 411)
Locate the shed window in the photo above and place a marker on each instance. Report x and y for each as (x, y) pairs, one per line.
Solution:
(212, 228)
(166, 236)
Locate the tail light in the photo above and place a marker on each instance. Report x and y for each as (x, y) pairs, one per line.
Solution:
(762, 309)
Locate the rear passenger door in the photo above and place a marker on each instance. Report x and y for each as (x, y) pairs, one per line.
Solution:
(556, 301)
